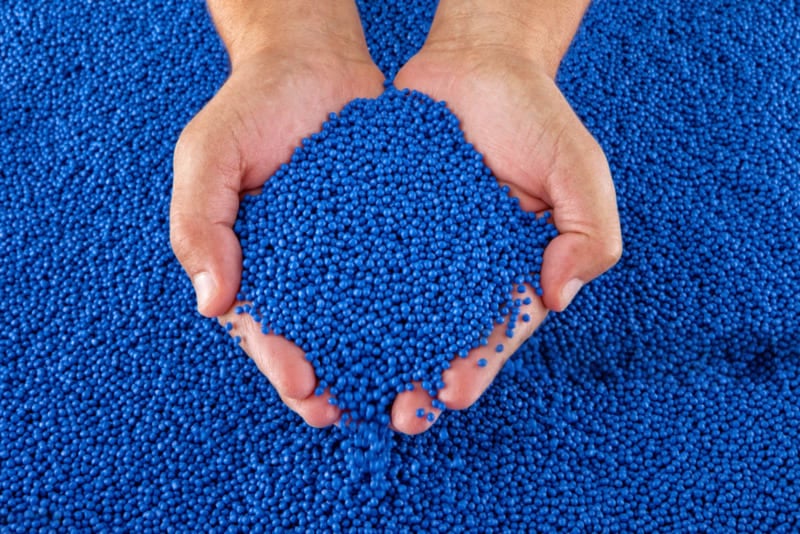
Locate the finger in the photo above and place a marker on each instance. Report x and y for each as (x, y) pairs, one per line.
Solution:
(468, 378)
(316, 410)
(413, 411)
(281, 361)
(584, 203)
(205, 202)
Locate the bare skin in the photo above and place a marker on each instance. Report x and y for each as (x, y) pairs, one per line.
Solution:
(495, 73)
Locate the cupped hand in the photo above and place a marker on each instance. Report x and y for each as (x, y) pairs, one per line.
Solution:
(514, 114)
(281, 92)
(274, 97)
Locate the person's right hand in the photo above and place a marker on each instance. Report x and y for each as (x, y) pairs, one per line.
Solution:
(293, 63)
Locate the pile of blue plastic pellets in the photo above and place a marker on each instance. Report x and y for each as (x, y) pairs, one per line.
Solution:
(387, 260)
(666, 398)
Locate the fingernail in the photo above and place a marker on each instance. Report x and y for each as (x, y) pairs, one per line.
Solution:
(203, 287)
(571, 289)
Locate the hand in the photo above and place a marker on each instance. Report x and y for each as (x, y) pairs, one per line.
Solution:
(514, 114)
(284, 82)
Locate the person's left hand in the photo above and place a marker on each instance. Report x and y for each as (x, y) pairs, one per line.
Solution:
(514, 114)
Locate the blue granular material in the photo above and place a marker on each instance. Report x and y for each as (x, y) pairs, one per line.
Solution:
(385, 248)
(665, 399)
(395, 31)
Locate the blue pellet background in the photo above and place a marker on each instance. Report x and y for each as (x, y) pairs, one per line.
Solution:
(666, 398)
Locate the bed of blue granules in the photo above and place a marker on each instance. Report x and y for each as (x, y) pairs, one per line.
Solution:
(666, 398)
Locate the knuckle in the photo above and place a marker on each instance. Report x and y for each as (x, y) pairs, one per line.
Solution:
(187, 144)
(612, 251)
(205, 159)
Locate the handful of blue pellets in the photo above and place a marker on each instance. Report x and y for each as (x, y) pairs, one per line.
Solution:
(384, 249)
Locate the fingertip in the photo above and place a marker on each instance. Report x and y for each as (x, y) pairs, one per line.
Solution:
(298, 386)
(468, 378)
(316, 410)
(570, 291)
(321, 414)
(570, 261)
(211, 256)
(413, 412)
(205, 290)
(456, 394)
(216, 288)
(286, 366)
(557, 299)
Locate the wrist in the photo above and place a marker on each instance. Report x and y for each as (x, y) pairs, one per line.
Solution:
(537, 31)
(250, 28)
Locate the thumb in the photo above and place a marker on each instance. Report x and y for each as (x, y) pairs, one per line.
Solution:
(585, 213)
(570, 261)
(205, 203)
